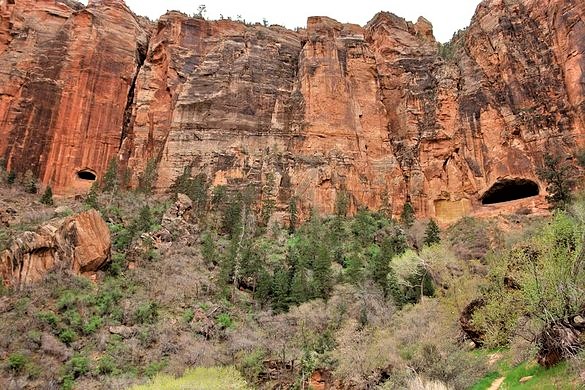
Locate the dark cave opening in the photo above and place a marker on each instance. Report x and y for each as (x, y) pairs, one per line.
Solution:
(506, 190)
(86, 175)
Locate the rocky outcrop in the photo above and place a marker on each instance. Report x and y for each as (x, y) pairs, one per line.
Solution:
(80, 244)
(381, 113)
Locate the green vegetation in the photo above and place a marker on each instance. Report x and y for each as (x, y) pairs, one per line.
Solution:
(47, 197)
(147, 179)
(16, 362)
(559, 173)
(356, 295)
(199, 378)
(534, 377)
(29, 182)
(538, 283)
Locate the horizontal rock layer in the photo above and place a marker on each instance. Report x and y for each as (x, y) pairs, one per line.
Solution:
(381, 112)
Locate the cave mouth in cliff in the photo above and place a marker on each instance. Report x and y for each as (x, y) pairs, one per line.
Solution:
(86, 175)
(506, 190)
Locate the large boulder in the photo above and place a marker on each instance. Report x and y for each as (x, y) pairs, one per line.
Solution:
(80, 243)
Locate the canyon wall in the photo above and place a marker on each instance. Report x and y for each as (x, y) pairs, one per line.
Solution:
(380, 113)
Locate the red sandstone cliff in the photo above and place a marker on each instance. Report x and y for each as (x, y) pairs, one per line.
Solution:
(373, 111)
(67, 72)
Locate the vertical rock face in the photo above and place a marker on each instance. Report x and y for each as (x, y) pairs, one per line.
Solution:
(66, 74)
(379, 113)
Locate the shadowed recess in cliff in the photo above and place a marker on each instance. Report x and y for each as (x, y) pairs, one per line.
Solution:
(506, 190)
(86, 175)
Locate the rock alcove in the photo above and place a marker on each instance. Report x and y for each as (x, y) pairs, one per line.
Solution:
(506, 190)
(87, 175)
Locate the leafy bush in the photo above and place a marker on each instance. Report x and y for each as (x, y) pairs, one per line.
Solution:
(92, 325)
(154, 368)
(560, 175)
(188, 316)
(146, 313)
(67, 336)
(107, 365)
(49, 318)
(225, 321)
(536, 284)
(16, 362)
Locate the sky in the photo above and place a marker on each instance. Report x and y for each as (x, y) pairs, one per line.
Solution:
(447, 16)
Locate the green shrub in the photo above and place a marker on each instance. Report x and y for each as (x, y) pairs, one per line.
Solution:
(68, 300)
(253, 365)
(16, 362)
(92, 325)
(188, 315)
(67, 336)
(225, 321)
(107, 365)
(47, 197)
(73, 318)
(11, 178)
(34, 336)
(154, 368)
(146, 313)
(77, 366)
(49, 318)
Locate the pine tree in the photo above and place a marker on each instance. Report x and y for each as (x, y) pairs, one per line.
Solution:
(432, 233)
(393, 288)
(292, 207)
(299, 290)
(408, 216)
(322, 272)
(30, 182)
(280, 290)
(263, 286)
(11, 177)
(144, 221)
(110, 181)
(268, 199)
(341, 204)
(91, 200)
(382, 272)
(147, 179)
(47, 197)
(208, 249)
(354, 269)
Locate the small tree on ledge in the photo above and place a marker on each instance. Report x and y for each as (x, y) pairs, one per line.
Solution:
(47, 197)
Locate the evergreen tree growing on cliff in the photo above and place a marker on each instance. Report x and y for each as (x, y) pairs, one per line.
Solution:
(432, 233)
(292, 209)
(408, 216)
(110, 181)
(147, 179)
(30, 182)
(47, 197)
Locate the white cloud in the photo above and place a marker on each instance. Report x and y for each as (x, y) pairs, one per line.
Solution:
(447, 16)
